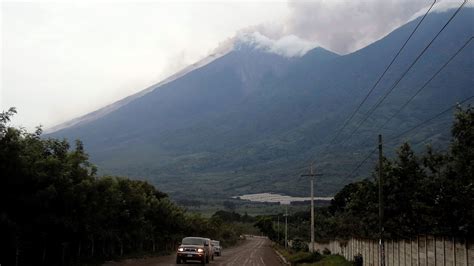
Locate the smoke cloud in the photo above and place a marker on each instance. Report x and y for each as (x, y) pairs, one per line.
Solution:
(288, 46)
(346, 26)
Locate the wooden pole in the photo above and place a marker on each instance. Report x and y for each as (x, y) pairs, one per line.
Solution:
(466, 251)
(418, 250)
(381, 229)
(444, 252)
(454, 251)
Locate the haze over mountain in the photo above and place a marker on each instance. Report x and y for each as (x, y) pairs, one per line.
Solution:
(249, 118)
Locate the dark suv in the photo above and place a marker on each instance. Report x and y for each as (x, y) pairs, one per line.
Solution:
(194, 249)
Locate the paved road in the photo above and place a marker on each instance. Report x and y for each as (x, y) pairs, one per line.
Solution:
(255, 251)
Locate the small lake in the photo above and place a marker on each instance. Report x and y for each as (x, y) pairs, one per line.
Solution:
(272, 197)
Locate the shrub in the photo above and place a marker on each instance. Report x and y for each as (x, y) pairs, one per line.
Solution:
(299, 245)
(304, 257)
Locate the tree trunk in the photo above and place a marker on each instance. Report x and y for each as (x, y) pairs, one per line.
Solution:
(79, 249)
(92, 247)
(43, 259)
(63, 255)
(112, 249)
(17, 255)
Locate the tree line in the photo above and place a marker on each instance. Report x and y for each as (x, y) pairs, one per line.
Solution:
(428, 193)
(56, 210)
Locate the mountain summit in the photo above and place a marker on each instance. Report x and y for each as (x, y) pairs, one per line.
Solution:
(288, 46)
(249, 119)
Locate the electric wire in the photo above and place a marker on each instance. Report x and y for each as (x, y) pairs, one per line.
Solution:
(393, 87)
(311, 161)
(381, 100)
(430, 119)
(381, 76)
(426, 83)
(407, 131)
(361, 163)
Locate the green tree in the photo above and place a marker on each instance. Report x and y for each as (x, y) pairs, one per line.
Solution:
(265, 225)
(55, 210)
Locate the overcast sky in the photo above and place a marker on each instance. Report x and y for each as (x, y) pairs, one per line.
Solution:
(60, 60)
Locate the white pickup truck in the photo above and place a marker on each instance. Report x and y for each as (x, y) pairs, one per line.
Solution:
(217, 247)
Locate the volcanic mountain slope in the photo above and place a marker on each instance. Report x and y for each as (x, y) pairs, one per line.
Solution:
(250, 120)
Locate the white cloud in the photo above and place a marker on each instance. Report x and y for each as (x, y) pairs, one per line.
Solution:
(288, 46)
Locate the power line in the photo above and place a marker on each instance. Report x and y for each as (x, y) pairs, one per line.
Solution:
(377, 82)
(381, 76)
(429, 137)
(395, 84)
(426, 83)
(361, 163)
(430, 119)
(372, 109)
(405, 132)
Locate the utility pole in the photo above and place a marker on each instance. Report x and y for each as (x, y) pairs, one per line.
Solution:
(286, 227)
(278, 227)
(381, 229)
(312, 175)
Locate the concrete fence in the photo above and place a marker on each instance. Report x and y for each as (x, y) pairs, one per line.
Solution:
(419, 251)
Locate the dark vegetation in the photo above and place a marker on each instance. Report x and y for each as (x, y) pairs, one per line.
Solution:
(226, 216)
(431, 193)
(304, 257)
(55, 210)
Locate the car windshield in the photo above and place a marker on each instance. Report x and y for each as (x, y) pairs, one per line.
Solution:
(192, 241)
(215, 243)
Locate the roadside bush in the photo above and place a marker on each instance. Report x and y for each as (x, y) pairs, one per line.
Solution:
(299, 245)
(304, 257)
(358, 260)
(326, 251)
(333, 260)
